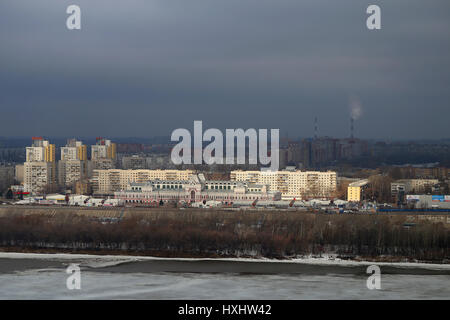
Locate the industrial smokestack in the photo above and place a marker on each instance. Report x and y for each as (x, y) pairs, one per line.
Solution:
(351, 127)
(315, 128)
(355, 113)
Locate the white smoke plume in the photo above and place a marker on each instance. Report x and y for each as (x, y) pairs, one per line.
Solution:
(355, 108)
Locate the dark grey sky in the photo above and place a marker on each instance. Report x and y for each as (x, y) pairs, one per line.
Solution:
(147, 67)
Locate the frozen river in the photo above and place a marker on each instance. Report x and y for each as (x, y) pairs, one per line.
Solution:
(34, 276)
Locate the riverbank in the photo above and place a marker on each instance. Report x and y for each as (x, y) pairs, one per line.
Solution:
(331, 259)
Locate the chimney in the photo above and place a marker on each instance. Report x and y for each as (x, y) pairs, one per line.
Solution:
(315, 128)
(351, 127)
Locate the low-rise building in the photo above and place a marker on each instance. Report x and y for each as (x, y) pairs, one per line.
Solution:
(411, 186)
(429, 201)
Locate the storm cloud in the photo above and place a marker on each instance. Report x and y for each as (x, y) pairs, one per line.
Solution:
(146, 67)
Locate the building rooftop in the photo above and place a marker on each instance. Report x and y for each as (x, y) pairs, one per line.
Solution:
(360, 183)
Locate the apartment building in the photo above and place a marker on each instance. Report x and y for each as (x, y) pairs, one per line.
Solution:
(40, 166)
(71, 171)
(292, 184)
(103, 149)
(355, 190)
(109, 181)
(40, 151)
(73, 164)
(74, 150)
(39, 176)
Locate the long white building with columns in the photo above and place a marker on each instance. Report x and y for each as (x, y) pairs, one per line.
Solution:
(196, 189)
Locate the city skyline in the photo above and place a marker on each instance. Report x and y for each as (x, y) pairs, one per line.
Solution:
(256, 151)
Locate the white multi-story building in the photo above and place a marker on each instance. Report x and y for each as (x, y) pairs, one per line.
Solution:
(74, 150)
(195, 189)
(73, 164)
(103, 149)
(39, 176)
(39, 168)
(292, 184)
(70, 172)
(109, 181)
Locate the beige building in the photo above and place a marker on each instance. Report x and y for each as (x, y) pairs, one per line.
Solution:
(109, 181)
(355, 190)
(292, 184)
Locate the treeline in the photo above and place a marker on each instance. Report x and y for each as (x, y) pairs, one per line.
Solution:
(217, 233)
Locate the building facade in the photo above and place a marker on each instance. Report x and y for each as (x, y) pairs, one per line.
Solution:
(103, 149)
(40, 167)
(39, 177)
(406, 186)
(74, 150)
(292, 184)
(73, 164)
(196, 189)
(40, 151)
(109, 181)
(71, 171)
(355, 190)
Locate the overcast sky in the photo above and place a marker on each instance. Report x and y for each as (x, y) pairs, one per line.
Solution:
(146, 67)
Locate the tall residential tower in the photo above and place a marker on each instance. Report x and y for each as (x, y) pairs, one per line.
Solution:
(40, 167)
(73, 164)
